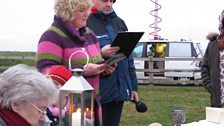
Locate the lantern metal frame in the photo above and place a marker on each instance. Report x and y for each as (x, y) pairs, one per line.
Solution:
(77, 86)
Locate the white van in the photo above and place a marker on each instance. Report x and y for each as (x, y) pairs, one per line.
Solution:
(169, 49)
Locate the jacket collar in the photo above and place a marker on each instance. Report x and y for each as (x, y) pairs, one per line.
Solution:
(76, 35)
(105, 17)
(12, 119)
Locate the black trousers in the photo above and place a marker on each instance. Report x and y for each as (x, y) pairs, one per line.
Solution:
(111, 113)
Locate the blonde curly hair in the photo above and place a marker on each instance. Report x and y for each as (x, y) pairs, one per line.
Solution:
(65, 9)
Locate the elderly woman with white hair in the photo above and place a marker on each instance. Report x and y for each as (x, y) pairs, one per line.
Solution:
(24, 96)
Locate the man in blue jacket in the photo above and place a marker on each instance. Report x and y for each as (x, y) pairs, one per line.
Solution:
(121, 85)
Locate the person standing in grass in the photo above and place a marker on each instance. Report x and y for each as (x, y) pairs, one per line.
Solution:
(212, 70)
(68, 40)
(122, 84)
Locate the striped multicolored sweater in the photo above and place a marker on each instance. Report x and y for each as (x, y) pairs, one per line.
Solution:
(60, 41)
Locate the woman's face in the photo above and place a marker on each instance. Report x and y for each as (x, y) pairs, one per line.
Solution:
(80, 17)
(34, 112)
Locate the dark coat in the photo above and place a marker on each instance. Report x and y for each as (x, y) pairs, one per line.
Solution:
(210, 71)
(119, 85)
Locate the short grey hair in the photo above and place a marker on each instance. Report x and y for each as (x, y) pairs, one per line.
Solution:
(65, 9)
(22, 83)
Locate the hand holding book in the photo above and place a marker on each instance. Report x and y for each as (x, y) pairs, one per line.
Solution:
(108, 51)
(109, 69)
(121, 47)
(112, 55)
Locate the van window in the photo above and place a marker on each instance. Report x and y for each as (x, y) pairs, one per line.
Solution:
(180, 50)
(156, 49)
(150, 50)
(138, 51)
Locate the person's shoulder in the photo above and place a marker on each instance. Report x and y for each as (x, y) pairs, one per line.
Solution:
(119, 18)
(89, 31)
(90, 15)
(93, 17)
(212, 36)
(120, 23)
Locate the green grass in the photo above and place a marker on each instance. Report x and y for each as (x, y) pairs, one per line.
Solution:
(11, 62)
(16, 53)
(161, 100)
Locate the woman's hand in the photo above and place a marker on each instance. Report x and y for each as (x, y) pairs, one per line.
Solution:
(107, 51)
(92, 69)
(109, 69)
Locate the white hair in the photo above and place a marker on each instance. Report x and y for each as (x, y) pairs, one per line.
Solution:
(21, 83)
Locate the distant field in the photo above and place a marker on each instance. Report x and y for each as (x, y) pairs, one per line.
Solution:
(9, 62)
(15, 53)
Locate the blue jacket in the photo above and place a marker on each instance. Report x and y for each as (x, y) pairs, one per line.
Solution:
(119, 85)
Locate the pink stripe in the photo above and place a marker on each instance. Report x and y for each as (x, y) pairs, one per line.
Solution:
(69, 52)
(49, 47)
(91, 50)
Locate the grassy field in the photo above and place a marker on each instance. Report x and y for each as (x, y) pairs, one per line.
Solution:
(10, 62)
(161, 100)
(15, 53)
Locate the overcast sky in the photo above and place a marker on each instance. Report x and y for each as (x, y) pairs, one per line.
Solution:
(23, 21)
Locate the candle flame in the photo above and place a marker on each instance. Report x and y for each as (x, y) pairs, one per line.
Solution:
(87, 109)
(78, 110)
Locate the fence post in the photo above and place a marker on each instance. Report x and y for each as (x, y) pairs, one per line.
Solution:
(150, 69)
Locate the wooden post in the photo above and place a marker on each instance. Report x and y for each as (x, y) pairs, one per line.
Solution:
(150, 69)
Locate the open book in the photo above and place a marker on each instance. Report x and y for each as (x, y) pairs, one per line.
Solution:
(127, 42)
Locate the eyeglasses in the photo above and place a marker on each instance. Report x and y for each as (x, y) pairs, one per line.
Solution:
(38, 109)
(109, 0)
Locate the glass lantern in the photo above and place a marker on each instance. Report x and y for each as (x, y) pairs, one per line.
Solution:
(81, 101)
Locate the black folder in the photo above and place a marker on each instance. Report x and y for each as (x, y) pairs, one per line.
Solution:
(127, 42)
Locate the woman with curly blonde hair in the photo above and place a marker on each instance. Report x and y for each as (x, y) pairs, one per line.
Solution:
(67, 35)
(65, 9)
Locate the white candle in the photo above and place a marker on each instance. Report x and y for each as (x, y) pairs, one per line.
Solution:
(76, 118)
